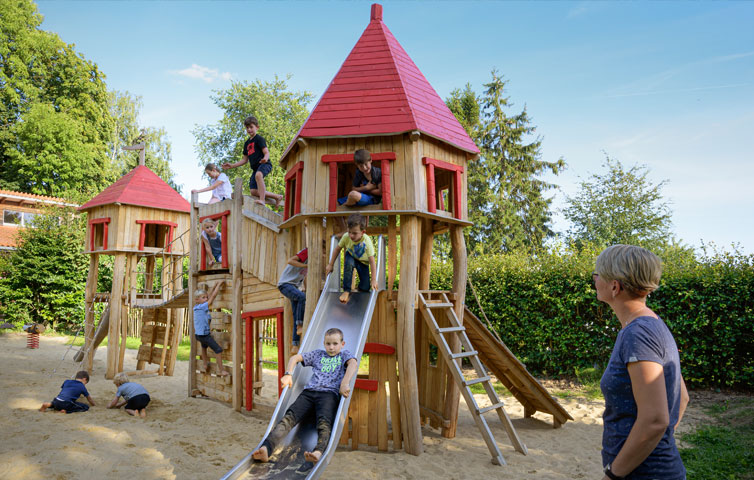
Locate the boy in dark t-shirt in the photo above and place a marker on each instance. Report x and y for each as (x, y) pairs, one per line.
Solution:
(367, 182)
(256, 154)
(70, 391)
(332, 371)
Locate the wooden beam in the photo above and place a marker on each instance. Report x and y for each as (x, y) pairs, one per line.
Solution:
(392, 252)
(452, 395)
(314, 241)
(237, 278)
(91, 289)
(410, 414)
(193, 268)
(116, 309)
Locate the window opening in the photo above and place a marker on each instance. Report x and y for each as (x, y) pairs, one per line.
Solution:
(98, 233)
(342, 170)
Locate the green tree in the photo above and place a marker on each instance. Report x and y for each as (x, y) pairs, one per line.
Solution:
(620, 205)
(280, 113)
(506, 195)
(44, 279)
(125, 109)
(40, 74)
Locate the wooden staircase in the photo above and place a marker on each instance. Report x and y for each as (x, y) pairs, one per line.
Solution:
(443, 307)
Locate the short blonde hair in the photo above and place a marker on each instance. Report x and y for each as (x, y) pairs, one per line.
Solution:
(208, 220)
(120, 379)
(636, 268)
(198, 292)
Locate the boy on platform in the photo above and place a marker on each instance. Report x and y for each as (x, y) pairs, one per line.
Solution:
(213, 242)
(135, 397)
(256, 154)
(219, 184)
(359, 254)
(70, 391)
(332, 371)
(202, 319)
(367, 182)
(290, 283)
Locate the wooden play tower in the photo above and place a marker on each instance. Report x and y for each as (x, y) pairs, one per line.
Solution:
(138, 221)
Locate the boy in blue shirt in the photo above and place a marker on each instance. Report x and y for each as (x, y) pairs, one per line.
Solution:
(359, 255)
(367, 182)
(202, 319)
(135, 396)
(332, 371)
(256, 154)
(70, 391)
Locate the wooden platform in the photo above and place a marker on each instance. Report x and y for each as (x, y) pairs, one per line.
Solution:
(511, 372)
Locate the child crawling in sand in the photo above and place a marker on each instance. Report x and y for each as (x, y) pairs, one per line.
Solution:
(70, 391)
(332, 371)
(135, 397)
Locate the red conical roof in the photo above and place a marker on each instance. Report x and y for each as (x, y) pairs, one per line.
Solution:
(378, 91)
(141, 187)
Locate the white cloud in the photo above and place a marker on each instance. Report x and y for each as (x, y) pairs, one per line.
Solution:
(200, 72)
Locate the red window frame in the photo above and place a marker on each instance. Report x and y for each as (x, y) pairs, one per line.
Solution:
(224, 239)
(252, 360)
(143, 233)
(457, 172)
(333, 160)
(293, 183)
(96, 221)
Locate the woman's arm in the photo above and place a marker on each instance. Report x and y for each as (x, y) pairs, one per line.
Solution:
(684, 402)
(652, 417)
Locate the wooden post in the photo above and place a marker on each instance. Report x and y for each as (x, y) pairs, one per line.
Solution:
(116, 309)
(130, 290)
(452, 395)
(236, 218)
(91, 289)
(149, 274)
(392, 252)
(410, 419)
(314, 283)
(193, 268)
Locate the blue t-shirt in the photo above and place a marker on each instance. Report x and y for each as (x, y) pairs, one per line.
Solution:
(71, 390)
(201, 319)
(327, 371)
(130, 389)
(644, 339)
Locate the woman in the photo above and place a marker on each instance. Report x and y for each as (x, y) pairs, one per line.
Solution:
(645, 395)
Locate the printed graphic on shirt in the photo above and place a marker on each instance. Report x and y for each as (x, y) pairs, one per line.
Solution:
(358, 249)
(250, 149)
(330, 364)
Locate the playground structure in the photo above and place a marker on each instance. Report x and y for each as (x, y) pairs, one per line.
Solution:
(416, 338)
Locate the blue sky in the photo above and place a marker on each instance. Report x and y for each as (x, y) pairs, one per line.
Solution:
(666, 84)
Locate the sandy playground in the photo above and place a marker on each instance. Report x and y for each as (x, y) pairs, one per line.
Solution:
(191, 438)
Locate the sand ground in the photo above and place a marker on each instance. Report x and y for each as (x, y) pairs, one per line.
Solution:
(192, 438)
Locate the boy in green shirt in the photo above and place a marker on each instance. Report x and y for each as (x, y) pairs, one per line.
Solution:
(359, 255)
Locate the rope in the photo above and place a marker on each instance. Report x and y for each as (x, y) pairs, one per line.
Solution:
(487, 321)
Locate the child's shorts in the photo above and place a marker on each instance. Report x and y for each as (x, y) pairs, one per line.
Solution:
(138, 402)
(365, 200)
(265, 168)
(208, 342)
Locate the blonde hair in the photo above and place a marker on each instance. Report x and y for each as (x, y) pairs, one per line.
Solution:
(198, 292)
(636, 268)
(208, 221)
(120, 379)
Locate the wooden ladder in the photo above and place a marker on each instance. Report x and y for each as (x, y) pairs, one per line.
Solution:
(427, 306)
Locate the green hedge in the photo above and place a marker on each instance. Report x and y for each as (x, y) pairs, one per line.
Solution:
(546, 312)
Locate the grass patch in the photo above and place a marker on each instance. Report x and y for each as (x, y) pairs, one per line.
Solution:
(723, 451)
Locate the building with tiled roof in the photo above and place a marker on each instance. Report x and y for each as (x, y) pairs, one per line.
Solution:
(18, 211)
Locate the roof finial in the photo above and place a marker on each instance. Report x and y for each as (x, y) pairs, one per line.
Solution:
(376, 12)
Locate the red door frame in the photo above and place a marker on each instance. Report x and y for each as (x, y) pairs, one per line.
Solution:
(96, 221)
(224, 239)
(333, 160)
(253, 354)
(293, 181)
(456, 170)
(143, 232)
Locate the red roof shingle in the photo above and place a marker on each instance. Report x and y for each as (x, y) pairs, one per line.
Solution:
(378, 91)
(141, 187)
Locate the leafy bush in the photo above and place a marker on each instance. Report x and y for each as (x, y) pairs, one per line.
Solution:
(545, 310)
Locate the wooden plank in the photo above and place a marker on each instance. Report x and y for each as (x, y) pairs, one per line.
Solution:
(116, 308)
(452, 395)
(237, 293)
(193, 267)
(90, 290)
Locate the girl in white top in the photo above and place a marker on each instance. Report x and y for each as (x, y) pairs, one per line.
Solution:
(219, 184)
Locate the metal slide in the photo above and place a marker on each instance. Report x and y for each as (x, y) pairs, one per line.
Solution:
(353, 319)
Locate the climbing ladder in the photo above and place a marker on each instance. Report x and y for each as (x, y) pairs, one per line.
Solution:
(428, 305)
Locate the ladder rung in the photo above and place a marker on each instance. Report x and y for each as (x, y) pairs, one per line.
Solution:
(463, 354)
(439, 305)
(485, 378)
(491, 407)
(451, 329)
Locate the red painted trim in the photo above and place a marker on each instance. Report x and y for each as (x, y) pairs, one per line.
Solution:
(158, 222)
(249, 365)
(431, 195)
(143, 233)
(97, 221)
(457, 196)
(365, 384)
(267, 313)
(299, 189)
(452, 167)
(293, 186)
(334, 159)
(371, 347)
(224, 233)
(281, 352)
(203, 262)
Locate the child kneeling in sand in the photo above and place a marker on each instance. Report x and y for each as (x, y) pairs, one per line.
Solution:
(70, 391)
(333, 369)
(135, 397)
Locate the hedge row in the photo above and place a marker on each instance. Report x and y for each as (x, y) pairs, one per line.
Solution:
(546, 312)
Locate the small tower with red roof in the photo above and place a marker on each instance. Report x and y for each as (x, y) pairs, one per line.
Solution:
(380, 101)
(136, 220)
